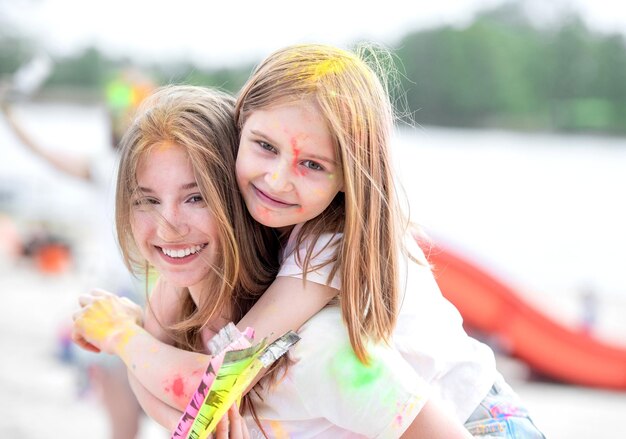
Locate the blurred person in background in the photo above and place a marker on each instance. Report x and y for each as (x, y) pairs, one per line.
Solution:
(106, 269)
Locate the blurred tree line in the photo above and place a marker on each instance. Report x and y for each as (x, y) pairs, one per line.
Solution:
(500, 71)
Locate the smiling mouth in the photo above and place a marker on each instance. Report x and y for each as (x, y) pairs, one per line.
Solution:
(182, 253)
(270, 200)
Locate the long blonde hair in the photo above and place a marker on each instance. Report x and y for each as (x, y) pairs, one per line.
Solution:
(200, 120)
(355, 104)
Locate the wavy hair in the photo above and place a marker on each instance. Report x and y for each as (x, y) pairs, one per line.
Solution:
(200, 120)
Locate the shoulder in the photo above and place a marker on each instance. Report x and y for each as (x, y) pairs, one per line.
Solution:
(320, 264)
(321, 248)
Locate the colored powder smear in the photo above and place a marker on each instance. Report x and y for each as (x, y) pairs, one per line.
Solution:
(178, 387)
(99, 325)
(278, 431)
(296, 156)
(328, 67)
(352, 374)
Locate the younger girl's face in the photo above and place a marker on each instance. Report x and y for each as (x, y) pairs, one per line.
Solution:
(171, 223)
(286, 166)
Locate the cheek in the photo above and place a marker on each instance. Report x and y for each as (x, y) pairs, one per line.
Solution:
(205, 223)
(141, 226)
(322, 192)
(242, 164)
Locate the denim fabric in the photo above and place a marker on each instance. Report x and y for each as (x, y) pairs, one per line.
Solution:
(502, 415)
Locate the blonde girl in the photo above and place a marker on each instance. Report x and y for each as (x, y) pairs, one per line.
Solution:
(314, 163)
(178, 211)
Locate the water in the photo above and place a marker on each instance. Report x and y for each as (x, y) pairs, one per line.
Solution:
(544, 212)
(547, 211)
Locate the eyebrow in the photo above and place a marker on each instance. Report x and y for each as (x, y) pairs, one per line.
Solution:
(184, 187)
(311, 155)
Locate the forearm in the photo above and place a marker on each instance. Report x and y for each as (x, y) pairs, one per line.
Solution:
(163, 414)
(170, 374)
(72, 165)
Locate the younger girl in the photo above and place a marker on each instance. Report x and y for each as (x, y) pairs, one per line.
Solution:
(314, 163)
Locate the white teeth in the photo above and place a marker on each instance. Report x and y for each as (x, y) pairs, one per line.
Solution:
(183, 252)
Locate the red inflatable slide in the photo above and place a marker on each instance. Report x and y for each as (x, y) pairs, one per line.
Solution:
(548, 347)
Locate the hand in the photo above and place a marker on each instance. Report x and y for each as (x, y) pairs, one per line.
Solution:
(232, 426)
(105, 321)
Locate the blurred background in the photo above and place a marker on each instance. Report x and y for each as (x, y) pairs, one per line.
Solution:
(512, 153)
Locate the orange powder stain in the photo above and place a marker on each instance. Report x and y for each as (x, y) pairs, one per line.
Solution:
(278, 430)
(164, 146)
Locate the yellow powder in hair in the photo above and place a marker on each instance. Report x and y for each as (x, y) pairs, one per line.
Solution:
(328, 67)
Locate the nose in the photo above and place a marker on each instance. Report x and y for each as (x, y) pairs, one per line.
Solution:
(172, 225)
(279, 178)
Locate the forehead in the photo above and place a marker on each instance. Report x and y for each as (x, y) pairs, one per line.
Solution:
(165, 158)
(303, 116)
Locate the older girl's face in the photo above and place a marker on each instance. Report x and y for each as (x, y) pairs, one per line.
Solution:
(287, 170)
(171, 223)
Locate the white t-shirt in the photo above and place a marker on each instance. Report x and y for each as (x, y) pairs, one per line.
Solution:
(429, 347)
(327, 393)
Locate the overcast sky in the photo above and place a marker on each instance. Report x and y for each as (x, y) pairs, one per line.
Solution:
(228, 32)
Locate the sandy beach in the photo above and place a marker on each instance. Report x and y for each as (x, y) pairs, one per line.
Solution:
(40, 395)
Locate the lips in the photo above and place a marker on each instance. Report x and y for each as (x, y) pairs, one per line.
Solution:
(181, 255)
(271, 200)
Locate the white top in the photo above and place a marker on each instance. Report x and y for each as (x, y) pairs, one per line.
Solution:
(429, 347)
(328, 393)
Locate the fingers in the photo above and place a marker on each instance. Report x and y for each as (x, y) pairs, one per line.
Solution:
(82, 343)
(221, 430)
(238, 425)
(235, 422)
(85, 299)
(232, 426)
(94, 294)
(101, 293)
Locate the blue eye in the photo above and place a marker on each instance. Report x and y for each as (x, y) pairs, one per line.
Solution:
(310, 164)
(266, 146)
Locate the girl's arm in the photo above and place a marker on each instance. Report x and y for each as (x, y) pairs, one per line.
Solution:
(110, 324)
(163, 414)
(171, 374)
(71, 165)
(160, 312)
(286, 305)
(432, 422)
